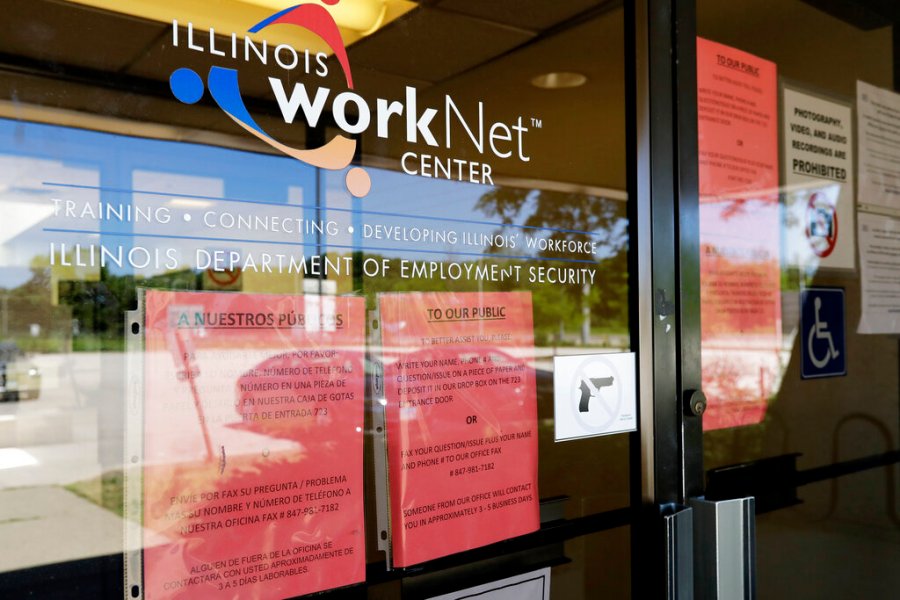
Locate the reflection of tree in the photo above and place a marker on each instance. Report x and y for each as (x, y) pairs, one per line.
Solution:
(563, 216)
(99, 306)
(564, 212)
(29, 304)
(725, 378)
(90, 311)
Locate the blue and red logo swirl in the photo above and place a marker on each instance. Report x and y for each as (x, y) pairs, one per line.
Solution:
(337, 154)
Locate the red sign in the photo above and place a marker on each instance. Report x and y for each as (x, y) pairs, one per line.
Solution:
(821, 224)
(740, 264)
(253, 445)
(461, 421)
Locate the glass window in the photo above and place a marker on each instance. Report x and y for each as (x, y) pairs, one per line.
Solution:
(240, 247)
(796, 378)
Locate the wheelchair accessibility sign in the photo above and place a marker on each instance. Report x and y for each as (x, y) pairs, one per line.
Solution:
(822, 333)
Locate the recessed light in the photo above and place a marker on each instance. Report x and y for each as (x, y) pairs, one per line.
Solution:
(559, 80)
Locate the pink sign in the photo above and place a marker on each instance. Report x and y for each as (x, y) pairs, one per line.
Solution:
(461, 420)
(740, 234)
(253, 444)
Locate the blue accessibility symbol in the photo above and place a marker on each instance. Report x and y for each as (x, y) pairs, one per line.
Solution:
(822, 333)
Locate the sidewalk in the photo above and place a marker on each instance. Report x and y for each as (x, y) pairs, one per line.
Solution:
(49, 524)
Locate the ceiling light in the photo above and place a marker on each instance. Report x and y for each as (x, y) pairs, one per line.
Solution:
(355, 18)
(559, 80)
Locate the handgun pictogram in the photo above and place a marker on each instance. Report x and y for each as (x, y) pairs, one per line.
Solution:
(590, 388)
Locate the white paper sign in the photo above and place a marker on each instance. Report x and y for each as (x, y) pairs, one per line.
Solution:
(878, 115)
(593, 394)
(879, 265)
(818, 182)
(528, 586)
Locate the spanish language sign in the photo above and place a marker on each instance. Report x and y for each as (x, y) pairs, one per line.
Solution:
(461, 420)
(818, 182)
(878, 114)
(253, 444)
(739, 233)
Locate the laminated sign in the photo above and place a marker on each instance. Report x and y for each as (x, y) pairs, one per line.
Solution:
(818, 181)
(461, 420)
(253, 445)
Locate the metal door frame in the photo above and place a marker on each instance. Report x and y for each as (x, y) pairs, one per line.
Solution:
(663, 175)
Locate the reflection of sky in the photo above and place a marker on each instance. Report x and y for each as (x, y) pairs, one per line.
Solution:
(741, 224)
(439, 206)
(401, 193)
(27, 204)
(35, 155)
(40, 163)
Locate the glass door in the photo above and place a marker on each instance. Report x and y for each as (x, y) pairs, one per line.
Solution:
(798, 152)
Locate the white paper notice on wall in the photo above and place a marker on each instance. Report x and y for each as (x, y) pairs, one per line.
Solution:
(818, 181)
(878, 115)
(879, 258)
(594, 394)
(528, 586)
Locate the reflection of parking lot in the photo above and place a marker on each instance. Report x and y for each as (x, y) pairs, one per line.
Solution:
(52, 441)
(56, 438)
(75, 430)
(20, 379)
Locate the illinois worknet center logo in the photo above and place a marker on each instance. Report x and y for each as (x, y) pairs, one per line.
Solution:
(443, 127)
(222, 82)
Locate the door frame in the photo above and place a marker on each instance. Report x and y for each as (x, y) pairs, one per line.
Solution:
(663, 176)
